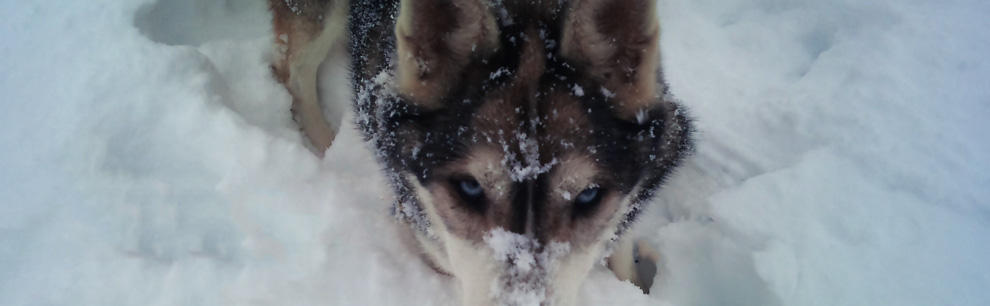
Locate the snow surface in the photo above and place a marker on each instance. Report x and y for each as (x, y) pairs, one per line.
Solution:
(149, 159)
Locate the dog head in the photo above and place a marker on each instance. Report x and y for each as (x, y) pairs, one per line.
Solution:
(525, 137)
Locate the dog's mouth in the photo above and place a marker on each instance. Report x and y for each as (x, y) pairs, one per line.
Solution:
(526, 267)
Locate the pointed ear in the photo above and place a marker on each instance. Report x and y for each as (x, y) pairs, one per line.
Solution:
(435, 40)
(619, 41)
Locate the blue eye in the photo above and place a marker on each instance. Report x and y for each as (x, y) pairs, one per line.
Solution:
(472, 194)
(587, 201)
(587, 196)
(470, 188)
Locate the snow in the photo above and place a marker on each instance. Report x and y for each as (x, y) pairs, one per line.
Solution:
(577, 90)
(149, 158)
(527, 271)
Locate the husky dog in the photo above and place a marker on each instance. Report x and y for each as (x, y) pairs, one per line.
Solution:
(521, 138)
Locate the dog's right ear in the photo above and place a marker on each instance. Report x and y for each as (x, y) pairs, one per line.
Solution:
(436, 39)
(619, 41)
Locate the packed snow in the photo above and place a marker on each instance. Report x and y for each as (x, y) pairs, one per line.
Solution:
(149, 158)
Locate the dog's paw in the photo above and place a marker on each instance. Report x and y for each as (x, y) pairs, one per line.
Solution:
(635, 262)
(645, 260)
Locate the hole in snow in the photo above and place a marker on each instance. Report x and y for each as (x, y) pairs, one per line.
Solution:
(193, 22)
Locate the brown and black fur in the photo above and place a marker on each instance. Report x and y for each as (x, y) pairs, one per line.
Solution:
(539, 100)
(534, 100)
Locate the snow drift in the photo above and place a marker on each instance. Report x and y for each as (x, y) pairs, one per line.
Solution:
(149, 158)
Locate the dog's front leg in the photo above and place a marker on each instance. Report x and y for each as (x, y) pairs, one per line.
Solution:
(304, 34)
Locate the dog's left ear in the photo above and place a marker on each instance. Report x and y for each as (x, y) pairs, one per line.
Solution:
(618, 40)
(436, 39)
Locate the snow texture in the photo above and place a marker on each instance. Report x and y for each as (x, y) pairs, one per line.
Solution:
(149, 158)
(525, 282)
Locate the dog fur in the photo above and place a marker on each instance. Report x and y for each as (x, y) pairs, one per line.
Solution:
(542, 125)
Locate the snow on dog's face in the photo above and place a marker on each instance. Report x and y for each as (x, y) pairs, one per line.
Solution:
(528, 136)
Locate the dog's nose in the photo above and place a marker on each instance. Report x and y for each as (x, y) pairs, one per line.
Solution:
(526, 267)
